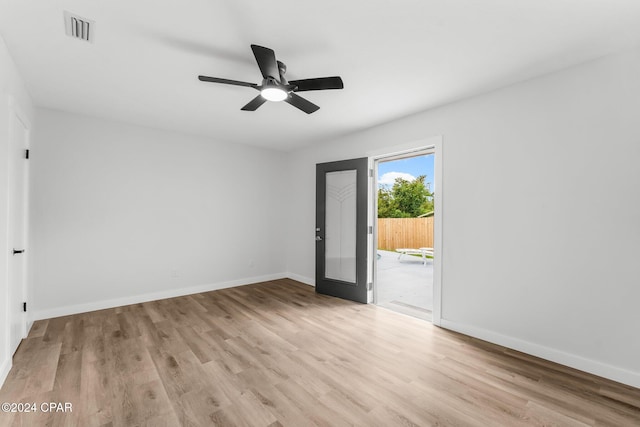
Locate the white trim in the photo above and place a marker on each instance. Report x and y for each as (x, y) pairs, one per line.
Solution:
(15, 111)
(438, 214)
(29, 326)
(302, 279)
(26, 276)
(372, 241)
(152, 296)
(4, 370)
(434, 145)
(406, 148)
(558, 356)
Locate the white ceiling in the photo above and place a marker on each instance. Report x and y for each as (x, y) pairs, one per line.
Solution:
(395, 57)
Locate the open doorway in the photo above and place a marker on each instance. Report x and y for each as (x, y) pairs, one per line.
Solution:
(404, 265)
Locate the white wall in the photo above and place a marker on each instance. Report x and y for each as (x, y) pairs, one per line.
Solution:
(541, 219)
(541, 212)
(117, 208)
(11, 87)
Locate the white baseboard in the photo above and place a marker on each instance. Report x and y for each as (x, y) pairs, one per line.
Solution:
(567, 359)
(136, 299)
(4, 370)
(29, 326)
(302, 279)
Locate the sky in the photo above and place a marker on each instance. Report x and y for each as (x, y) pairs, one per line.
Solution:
(408, 169)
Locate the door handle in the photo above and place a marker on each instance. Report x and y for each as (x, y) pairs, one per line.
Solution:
(318, 238)
(18, 251)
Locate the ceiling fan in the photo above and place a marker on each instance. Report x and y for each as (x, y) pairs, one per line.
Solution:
(275, 86)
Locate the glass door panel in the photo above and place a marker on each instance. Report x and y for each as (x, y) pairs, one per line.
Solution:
(340, 226)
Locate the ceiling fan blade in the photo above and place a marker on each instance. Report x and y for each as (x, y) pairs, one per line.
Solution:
(254, 103)
(266, 59)
(301, 103)
(226, 81)
(320, 83)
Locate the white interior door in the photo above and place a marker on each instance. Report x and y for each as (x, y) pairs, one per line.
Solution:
(17, 232)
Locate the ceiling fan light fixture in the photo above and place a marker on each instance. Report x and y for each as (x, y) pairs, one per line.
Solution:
(275, 86)
(273, 94)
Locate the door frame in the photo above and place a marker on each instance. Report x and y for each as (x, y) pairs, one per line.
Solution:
(432, 145)
(15, 112)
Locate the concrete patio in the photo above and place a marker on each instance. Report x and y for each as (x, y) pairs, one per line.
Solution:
(405, 285)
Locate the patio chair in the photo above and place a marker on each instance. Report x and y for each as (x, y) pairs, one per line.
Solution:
(420, 251)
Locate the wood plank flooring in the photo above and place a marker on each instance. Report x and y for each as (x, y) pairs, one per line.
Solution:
(277, 354)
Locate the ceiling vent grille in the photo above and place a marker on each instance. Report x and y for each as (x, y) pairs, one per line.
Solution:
(79, 27)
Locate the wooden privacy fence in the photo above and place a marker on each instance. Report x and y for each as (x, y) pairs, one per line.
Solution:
(396, 233)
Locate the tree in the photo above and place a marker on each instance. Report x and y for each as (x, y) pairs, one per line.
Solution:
(405, 199)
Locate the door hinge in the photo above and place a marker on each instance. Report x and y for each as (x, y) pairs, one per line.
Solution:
(371, 229)
(369, 286)
(370, 173)
(24, 307)
(26, 154)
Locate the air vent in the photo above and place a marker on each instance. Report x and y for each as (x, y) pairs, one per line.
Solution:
(79, 27)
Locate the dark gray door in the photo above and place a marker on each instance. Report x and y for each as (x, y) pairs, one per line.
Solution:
(341, 229)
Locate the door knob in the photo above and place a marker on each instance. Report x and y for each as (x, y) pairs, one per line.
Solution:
(18, 251)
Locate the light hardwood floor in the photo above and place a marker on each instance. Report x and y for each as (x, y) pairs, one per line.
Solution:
(276, 353)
